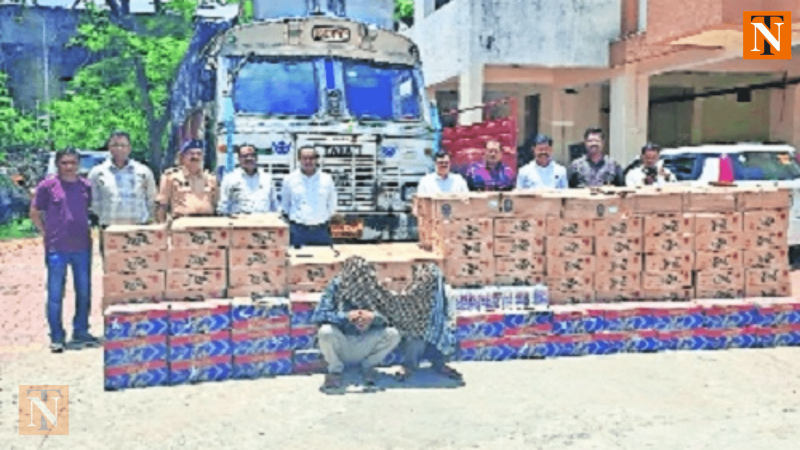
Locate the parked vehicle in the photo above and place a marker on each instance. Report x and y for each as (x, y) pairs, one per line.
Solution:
(88, 159)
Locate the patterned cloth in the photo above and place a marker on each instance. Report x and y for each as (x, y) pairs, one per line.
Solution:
(482, 178)
(585, 173)
(123, 196)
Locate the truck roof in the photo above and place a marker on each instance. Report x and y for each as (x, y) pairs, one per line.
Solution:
(729, 148)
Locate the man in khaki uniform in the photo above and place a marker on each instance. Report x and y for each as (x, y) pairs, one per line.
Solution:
(187, 190)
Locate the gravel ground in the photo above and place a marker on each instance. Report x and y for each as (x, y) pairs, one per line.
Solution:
(735, 399)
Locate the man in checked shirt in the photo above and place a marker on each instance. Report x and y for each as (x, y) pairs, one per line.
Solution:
(123, 190)
(247, 190)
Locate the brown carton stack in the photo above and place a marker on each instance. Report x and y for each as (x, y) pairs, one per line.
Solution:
(197, 258)
(393, 261)
(668, 237)
(257, 260)
(312, 268)
(134, 264)
(765, 224)
(719, 272)
(619, 244)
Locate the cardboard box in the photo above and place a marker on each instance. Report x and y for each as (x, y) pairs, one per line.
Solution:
(783, 290)
(730, 222)
(135, 321)
(626, 245)
(765, 198)
(469, 249)
(628, 227)
(464, 229)
(259, 231)
(312, 273)
(199, 318)
(262, 291)
(669, 243)
(516, 227)
(111, 300)
(203, 345)
(570, 227)
(256, 257)
(573, 283)
(199, 295)
(520, 265)
(767, 258)
(217, 368)
(730, 292)
(197, 258)
(524, 203)
(513, 247)
(518, 279)
(567, 246)
(717, 243)
(572, 297)
(134, 285)
(462, 268)
(262, 365)
(720, 279)
(465, 206)
(580, 204)
(201, 232)
(135, 261)
(651, 200)
(154, 373)
(135, 351)
(669, 295)
(711, 199)
(267, 277)
(617, 282)
(672, 224)
(569, 265)
(125, 238)
(769, 220)
(672, 280)
(617, 295)
(669, 262)
(767, 277)
(196, 280)
(723, 260)
(619, 263)
(765, 240)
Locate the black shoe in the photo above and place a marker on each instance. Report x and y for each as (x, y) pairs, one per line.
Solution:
(85, 341)
(57, 347)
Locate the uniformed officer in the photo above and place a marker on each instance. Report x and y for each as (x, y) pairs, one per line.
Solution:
(187, 190)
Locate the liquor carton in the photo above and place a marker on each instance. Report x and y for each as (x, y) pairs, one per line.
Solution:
(460, 268)
(767, 277)
(138, 375)
(619, 263)
(110, 300)
(674, 279)
(200, 346)
(780, 290)
(711, 199)
(469, 249)
(565, 266)
(729, 222)
(142, 284)
(259, 231)
(308, 362)
(519, 246)
(669, 243)
(649, 200)
(256, 258)
(304, 338)
(668, 295)
(669, 262)
(765, 198)
(125, 238)
(196, 280)
(612, 282)
(617, 295)
(134, 351)
(721, 279)
(270, 278)
(218, 368)
(672, 224)
(629, 227)
(583, 296)
(716, 243)
(644, 341)
(262, 365)
(570, 227)
(201, 232)
(568, 246)
(520, 266)
(522, 203)
(249, 314)
(724, 260)
(465, 206)
(580, 204)
(253, 342)
(625, 245)
(197, 258)
(729, 292)
(134, 262)
(135, 321)
(767, 258)
(198, 318)
(464, 229)
(573, 283)
(515, 226)
(764, 240)
(770, 220)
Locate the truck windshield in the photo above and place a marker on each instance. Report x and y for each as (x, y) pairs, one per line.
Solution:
(277, 87)
(380, 91)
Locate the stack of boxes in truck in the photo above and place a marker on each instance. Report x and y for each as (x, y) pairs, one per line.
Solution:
(198, 265)
(257, 257)
(134, 264)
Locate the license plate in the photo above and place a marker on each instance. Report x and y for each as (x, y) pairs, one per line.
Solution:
(341, 151)
(351, 229)
(330, 34)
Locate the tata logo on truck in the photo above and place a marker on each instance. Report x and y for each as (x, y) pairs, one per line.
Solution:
(767, 35)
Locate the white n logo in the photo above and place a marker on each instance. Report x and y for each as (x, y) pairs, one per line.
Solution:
(770, 39)
(52, 416)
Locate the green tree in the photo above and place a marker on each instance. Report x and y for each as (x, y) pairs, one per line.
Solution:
(16, 127)
(404, 10)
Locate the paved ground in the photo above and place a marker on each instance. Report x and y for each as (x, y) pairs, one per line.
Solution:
(739, 400)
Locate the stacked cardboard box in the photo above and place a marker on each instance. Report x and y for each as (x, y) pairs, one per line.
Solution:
(257, 258)
(135, 346)
(261, 339)
(519, 238)
(306, 357)
(765, 260)
(197, 258)
(200, 342)
(134, 264)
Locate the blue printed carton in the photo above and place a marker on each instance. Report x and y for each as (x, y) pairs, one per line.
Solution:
(139, 375)
(479, 325)
(743, 338)
(308, 361)
(593, 320)
(688, 316)
(200, 346)
(644, 341)
(567, 320)
(124, 322)
(302, 306)
(134, 351)
(257, 342)
(542, 346)
(304, 338)
(253, 311)
(606, 343)
(262, 365)
(619, 317)
(200, 317)
(216, 368)
(778, 311)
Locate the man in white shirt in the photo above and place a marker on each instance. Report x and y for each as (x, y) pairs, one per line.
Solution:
(651, 171)
(442, 181)
(247, 190)
(542, 172)
(308, 199)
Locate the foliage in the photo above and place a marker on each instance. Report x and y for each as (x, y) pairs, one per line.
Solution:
(17, 229)
(404, 9)
(16, 127)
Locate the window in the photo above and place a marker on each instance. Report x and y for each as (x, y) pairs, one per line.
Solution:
(440, 3)
(381, 92)
(279, 87)
(768, 166)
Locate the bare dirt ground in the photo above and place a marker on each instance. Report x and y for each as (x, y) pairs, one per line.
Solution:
(735, 399)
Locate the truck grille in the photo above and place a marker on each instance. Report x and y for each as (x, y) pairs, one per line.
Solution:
(354, 177)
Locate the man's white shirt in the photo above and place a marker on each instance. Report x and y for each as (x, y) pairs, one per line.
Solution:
(309, 200)
(247, 194)
(533, 176)
(636, 177)
(432, 183)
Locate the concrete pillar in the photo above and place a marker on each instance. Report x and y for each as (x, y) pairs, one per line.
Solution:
(697, 121)
(422, 8)
(470, 93)
(784, 119)
(629, 108)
